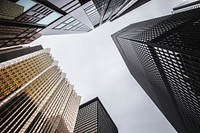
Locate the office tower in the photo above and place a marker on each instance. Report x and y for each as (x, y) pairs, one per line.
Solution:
(93, 118)
(99, 11)
(162, 54)
(186, 5)
(35, 96)
(23, 21)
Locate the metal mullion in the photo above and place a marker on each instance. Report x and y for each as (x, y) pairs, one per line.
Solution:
(41, 100)
(52, 84)
(69, 104)
(48, 80)
(65, 98)
(9, 113)
(55, 112)
(48, 109)
(23, 32)
(26, 106)
(27, 100)
(21, 105)
(41, 105)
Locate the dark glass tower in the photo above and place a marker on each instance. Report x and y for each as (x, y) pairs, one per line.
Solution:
(93, 118)
(162, 54)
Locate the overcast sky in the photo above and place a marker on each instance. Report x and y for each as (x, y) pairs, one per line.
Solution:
(95, 67)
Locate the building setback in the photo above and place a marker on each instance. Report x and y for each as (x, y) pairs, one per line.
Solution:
(35, 96)
(23, 21)
(162, 54)
(93, 118)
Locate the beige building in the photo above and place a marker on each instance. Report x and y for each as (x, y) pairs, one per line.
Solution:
(35, 96)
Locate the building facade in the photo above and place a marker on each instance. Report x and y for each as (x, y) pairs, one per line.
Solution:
(35, 96)
(187, 5)
(93, 118)
(162, 54)
(23, 21)
(109, 10)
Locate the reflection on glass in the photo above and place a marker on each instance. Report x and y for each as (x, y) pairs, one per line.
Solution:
(74, 24)
(10, 10)
(60, 26)
(69, 20)
(27, 4)
(68, 27)
(50, 18)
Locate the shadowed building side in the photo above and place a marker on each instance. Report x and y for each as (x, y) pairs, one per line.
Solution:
(93, 117)
(162, 54)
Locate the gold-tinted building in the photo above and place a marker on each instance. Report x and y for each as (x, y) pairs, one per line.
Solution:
(35, 96)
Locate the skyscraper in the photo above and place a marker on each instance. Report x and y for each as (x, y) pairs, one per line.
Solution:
(186, 5)
(23, 21)
(162, 54)
(34, 93)
(103, 10)
(93, 118)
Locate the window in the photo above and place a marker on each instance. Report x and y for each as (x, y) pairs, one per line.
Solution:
(27, 4)
(49, 18)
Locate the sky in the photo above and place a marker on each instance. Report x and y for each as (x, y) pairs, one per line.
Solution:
(95, 67)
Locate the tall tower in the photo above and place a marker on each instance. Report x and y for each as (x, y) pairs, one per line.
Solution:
(34, 93)
(162, 54)
(23, 21)
(93, 118)
(100, 11)
(186, 5)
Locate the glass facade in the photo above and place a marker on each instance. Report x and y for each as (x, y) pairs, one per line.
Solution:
(72, 24)
(93, 118)
(23, 21)
(164, 52)
(186, 5)
(92, 13)
(36, 96)
(109, 9)
(14, 76)
(49, 18)
(27, 4)
(14, 35)
(19, 21)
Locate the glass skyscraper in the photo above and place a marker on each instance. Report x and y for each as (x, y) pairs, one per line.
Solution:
(23, 21)
(93, 118)
(35, 96)
(162, 54)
